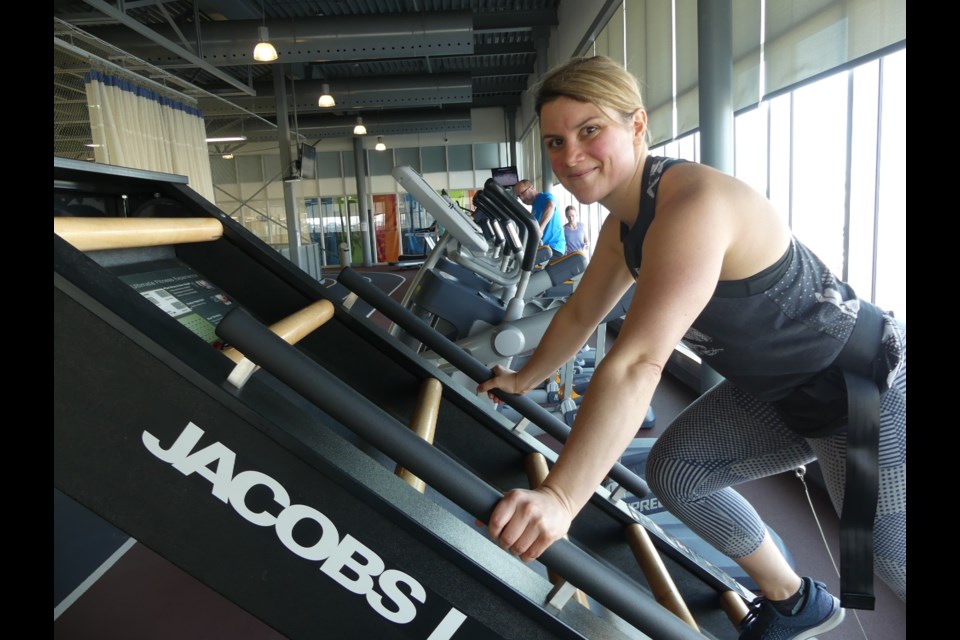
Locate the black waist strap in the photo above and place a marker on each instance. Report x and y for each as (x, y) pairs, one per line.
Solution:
(856, 361)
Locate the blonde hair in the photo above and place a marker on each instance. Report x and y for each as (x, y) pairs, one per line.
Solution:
(598, 80)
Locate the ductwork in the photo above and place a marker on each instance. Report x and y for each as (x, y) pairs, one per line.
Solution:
(329, 38)
(327, 126)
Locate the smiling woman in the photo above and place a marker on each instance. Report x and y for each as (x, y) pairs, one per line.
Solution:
(592, 149)
(716, 266)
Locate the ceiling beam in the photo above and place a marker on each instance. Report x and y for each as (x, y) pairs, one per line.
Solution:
(355, 94)
(501, 21)
(494, 48)
(86, 55)
(330, 38)
(326, 126)
(167, 44)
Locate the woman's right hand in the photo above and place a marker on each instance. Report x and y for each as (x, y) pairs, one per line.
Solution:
(504, 379)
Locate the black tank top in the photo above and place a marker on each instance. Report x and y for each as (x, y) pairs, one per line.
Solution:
(768, 333)
(632, 239)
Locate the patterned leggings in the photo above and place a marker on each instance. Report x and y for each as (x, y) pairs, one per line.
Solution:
(694, 463)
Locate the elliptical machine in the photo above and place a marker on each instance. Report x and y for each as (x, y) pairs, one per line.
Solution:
(484, 290)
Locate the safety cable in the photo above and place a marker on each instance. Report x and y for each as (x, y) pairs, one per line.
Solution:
(801, 472)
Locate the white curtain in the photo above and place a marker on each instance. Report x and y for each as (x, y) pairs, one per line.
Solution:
(138, 128)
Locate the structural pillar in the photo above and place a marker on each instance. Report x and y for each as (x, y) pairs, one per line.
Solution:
(510, 113)
(363, 212)
(546, 170)
(290, 188)
(715, 68)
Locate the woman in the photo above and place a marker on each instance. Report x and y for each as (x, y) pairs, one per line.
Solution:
(574, 232)
(714, 265)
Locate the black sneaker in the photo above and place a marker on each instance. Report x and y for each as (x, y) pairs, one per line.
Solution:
(819, 612)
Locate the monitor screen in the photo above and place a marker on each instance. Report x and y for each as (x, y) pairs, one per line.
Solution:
(506, 177)
(308, 162)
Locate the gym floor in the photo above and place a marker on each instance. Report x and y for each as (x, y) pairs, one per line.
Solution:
(136, 593)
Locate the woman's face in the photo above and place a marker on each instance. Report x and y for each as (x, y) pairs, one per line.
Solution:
(592, 153)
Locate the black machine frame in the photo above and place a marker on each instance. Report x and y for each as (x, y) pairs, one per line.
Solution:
(126, 374)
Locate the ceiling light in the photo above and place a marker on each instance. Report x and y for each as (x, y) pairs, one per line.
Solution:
(227, 156)
(264, 51)
(359, 130)
(228, 139)
(326, 100)
(380, 146)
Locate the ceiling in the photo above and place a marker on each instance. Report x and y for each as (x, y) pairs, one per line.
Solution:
(405, 66)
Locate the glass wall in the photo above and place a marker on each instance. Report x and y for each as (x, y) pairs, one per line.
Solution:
(249, 189)
(830, 156)
(820, 154)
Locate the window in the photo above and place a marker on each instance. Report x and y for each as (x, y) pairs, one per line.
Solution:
(381, 162)
(434, 159)
(328, 164)
(461, 157)
(487, 156)
(830, 156)
(409, 157)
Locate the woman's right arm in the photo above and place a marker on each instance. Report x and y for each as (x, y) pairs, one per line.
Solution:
(604, 282)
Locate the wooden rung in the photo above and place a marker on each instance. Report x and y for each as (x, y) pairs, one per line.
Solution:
(424, 424)
(537, 470)
(735, 607)
(296, 326)
(662, 585)
(94, 234)
(292, 329)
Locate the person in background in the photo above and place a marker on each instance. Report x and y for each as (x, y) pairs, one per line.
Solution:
(812, 371)
(574, 233)
(545, 211)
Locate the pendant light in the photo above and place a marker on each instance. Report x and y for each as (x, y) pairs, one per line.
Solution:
(264, 51)
(326, 100)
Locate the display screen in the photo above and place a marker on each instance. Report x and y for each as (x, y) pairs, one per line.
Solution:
(505, 176)
(308, 162)
(182, 293)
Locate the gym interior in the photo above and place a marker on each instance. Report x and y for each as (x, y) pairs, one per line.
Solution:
(274, 299)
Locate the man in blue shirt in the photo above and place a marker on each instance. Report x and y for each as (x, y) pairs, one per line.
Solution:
(545, 211)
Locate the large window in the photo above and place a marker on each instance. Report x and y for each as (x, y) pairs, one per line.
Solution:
(890, 274)
(828, 152)
(830, 155)
(817, 158)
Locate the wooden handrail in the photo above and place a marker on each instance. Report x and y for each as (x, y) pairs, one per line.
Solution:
(536, 465)
(294, 327)
(661, 584)
(424, 424)
(94, 234)
(735, 607)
